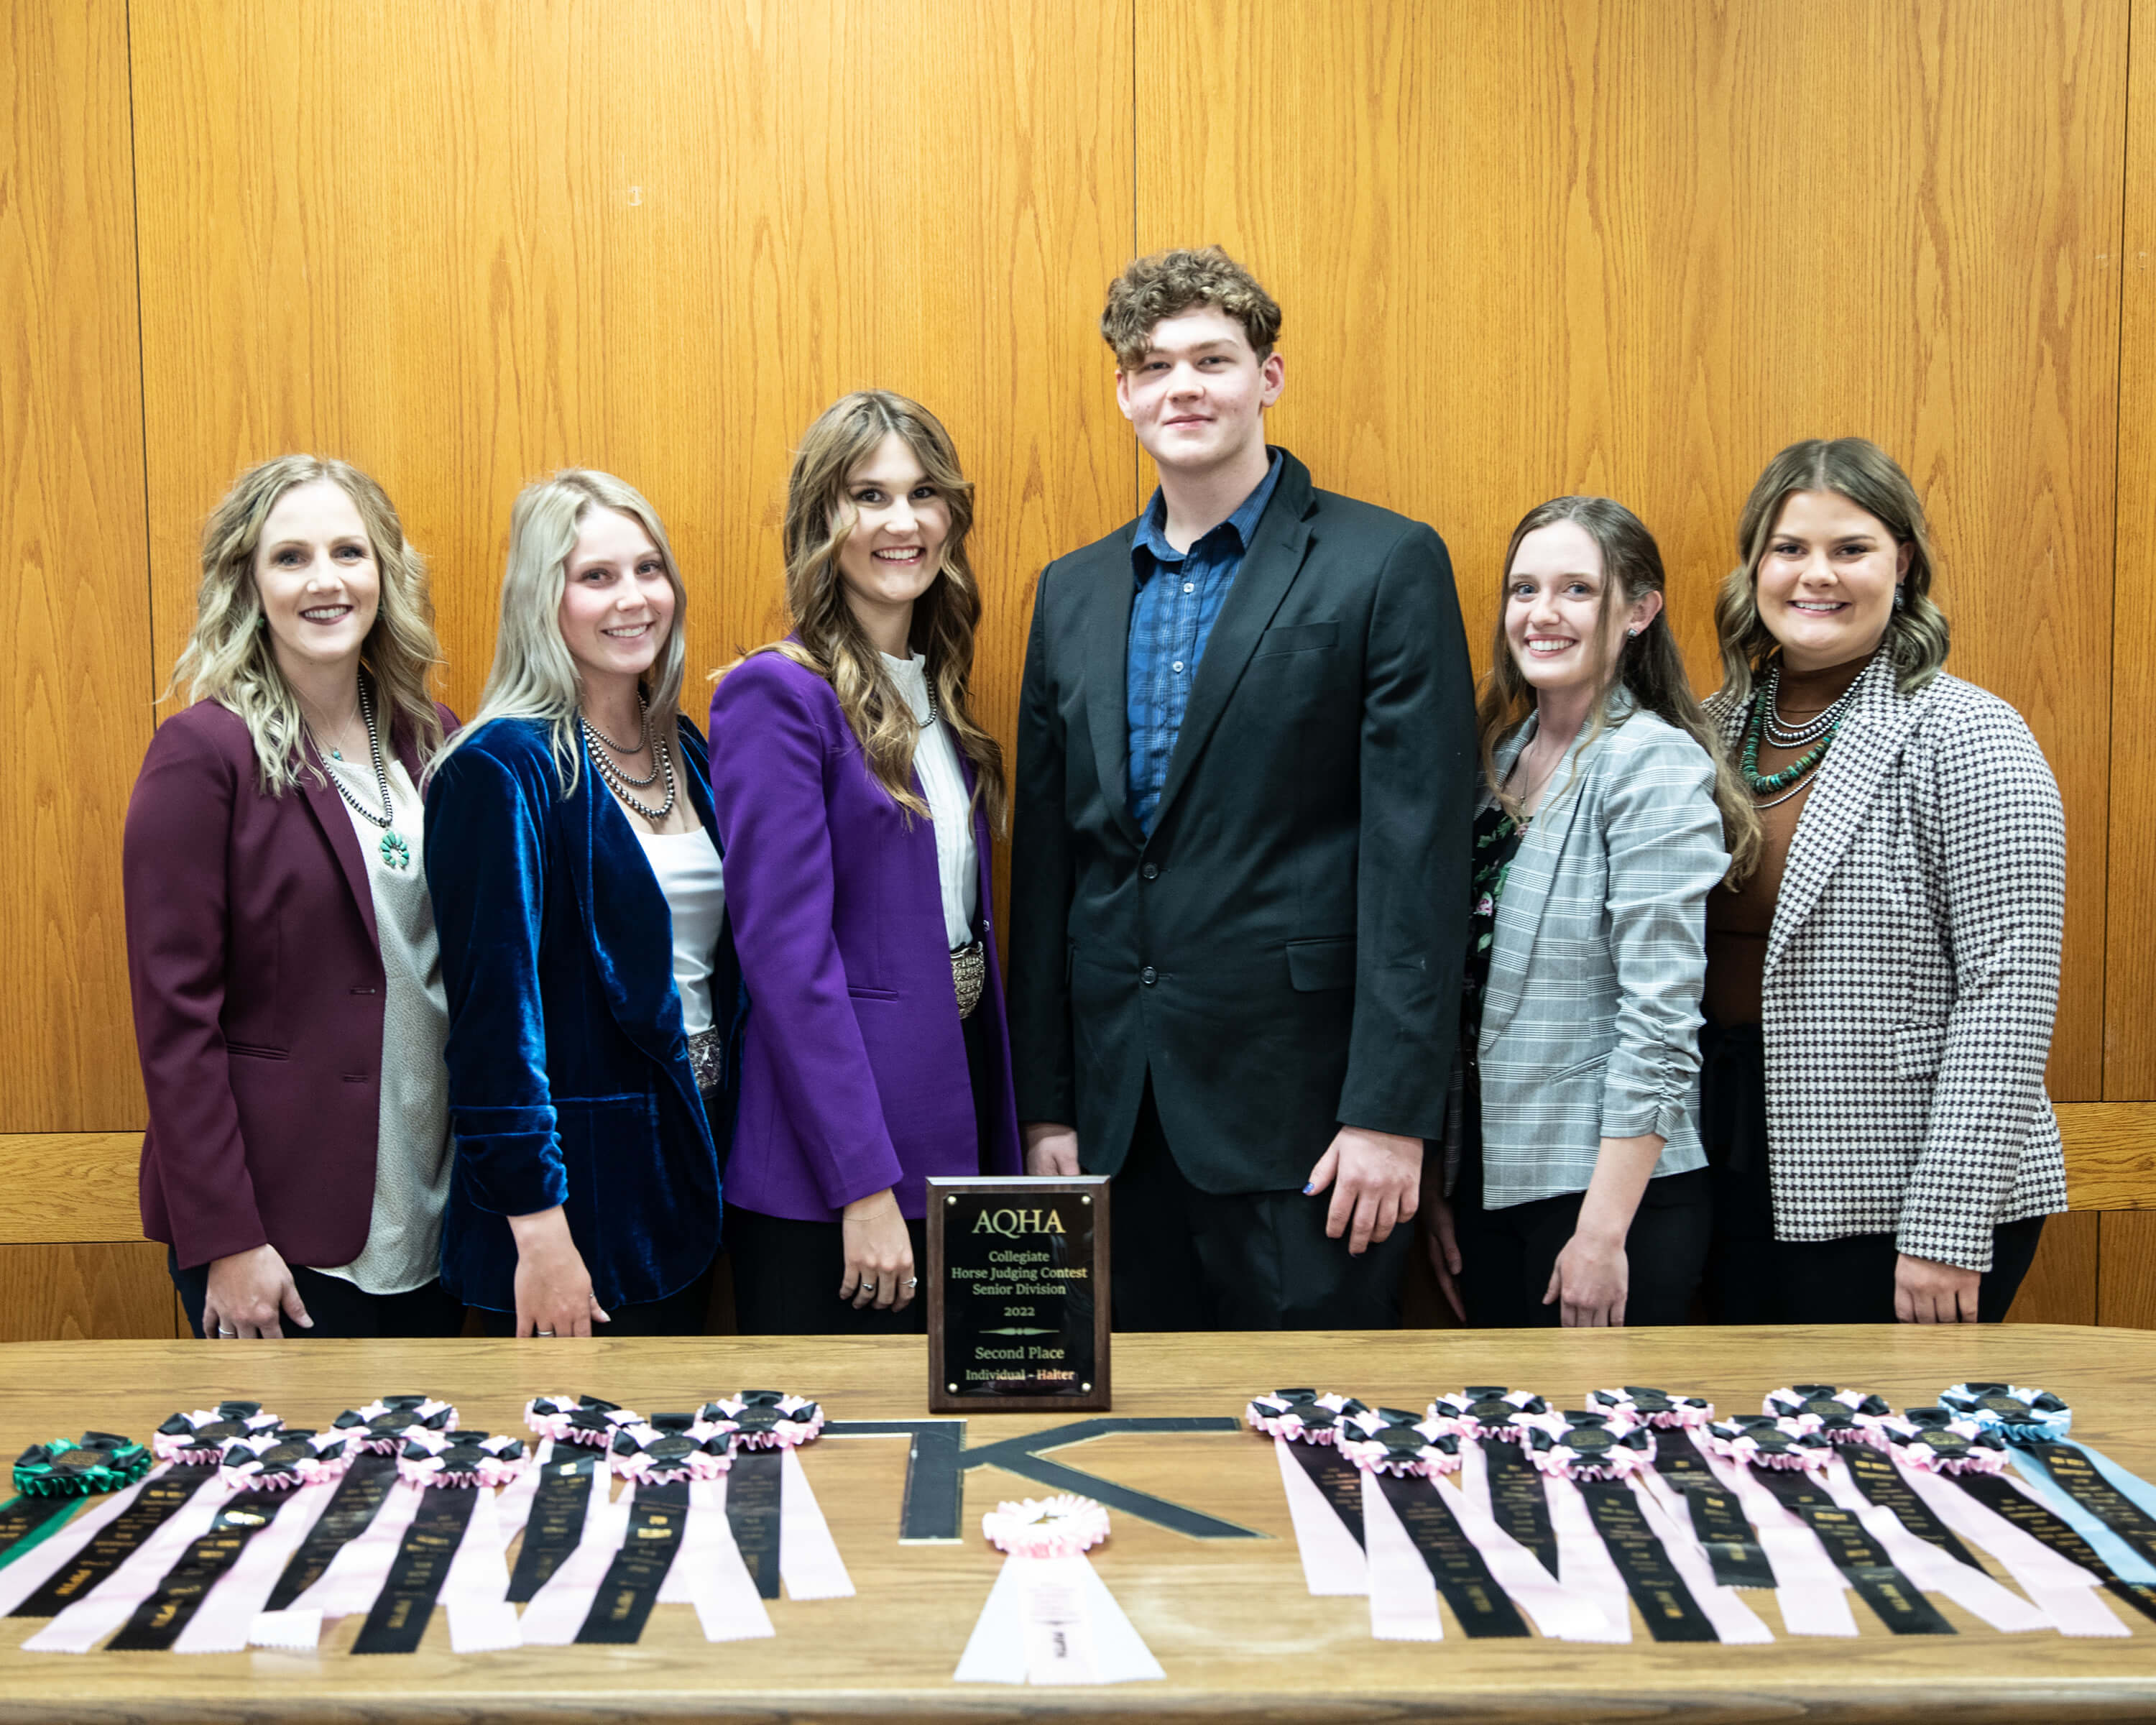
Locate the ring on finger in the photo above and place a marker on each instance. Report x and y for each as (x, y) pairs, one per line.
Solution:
(222, 1331)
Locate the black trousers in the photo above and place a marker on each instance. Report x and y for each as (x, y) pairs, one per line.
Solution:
(1753, 1278)
(341, 1311)
(1188, 1260)
(1507, 1255)
(787, 1273)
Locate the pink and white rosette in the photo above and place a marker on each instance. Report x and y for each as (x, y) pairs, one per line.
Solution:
(1932, 1444)
(1302, 1416)
(577, 1418)
(769, 1419)
(380, 1425)
(1588, 1446)
(465, 1459)
(197, 1439)
(1489, 1410)
(1656, 1408)
(646, 1454)
(1387, 1440)
(1049, 1618)
(283, 1460)
(1841, 1416)
(1756, 1440)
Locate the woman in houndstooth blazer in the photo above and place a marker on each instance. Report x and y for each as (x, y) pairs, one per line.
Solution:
(1579, 1191)
(1879, 991)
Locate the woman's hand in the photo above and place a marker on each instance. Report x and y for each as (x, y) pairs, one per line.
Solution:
(554, 1293)
(1928, 1292)
(247, 1290)
(1590, 1278)
(1442, 1244)
(1051, 1148)
(879, 1253)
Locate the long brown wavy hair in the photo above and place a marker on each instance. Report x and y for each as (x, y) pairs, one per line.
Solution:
(1649, 667)
(829, 639)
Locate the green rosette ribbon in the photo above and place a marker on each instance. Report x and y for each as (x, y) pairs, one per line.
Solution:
(96, 1461)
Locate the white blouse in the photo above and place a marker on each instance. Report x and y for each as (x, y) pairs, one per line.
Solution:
(690, 874)
(411, 1141)
(950, 804)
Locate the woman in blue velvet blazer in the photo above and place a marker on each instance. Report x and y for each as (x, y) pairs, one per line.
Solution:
(586, 1183)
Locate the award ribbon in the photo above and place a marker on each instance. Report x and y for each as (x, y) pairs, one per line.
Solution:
(1717, 1518)
(1807, 1586)
(657, 1519)
(96, 1461)
(1885, 1589)
(358, 1495)
(1517, 1502)
(557, 1522)
(26, 1521)
(397, 1618)
(54, 1549)
(1559, 1611)
(752, 1511)
(1459, 1572)
(160, 1497)
(226, 1616)
(808, 1556)
(709, 1574)
(1875, 1475)
(157, 1621)
(102, 1607)
(564, 1598)
(1324, 1490)
(1929, 1568)
(1049, 1618)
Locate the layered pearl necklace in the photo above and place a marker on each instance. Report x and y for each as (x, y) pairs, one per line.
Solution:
(603, 751)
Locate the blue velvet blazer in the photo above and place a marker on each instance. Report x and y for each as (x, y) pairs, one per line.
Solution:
(569, 1074)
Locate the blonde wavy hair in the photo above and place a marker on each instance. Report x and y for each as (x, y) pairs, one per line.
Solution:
(533, 676)
(1916, 634)
(231, 657)
(830, 639)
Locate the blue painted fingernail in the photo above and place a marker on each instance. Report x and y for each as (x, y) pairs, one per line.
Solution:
(1309, 1189)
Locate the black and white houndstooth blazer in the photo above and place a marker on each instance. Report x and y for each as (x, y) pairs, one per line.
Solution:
(1913, 972)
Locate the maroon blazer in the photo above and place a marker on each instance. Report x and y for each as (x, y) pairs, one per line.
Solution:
(258, 989)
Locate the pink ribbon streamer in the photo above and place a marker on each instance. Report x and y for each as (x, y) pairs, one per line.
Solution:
(1402, 1596)
(37, 1566)
(1735, 1621)
(1808, 1587)
(1333, 1564)
(1584, 1563)
(2066, 1594)
(558, 1609)
(1930, 1569)
(226, 1616)
(348, 1587)
(1560, 1612)
(809, 1560)
(109, 1604)
(708, 1572)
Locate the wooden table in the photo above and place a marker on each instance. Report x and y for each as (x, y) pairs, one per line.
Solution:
(1229, 1618)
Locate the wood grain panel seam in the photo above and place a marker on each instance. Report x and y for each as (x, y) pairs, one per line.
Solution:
(142, 366)
(2110, 860)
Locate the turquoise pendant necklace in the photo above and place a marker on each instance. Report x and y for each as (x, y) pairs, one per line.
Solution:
(395, 853)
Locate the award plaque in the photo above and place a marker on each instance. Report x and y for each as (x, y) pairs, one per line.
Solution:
(1018, 1295)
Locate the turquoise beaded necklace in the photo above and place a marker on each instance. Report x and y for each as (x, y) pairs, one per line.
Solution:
(1766, 784)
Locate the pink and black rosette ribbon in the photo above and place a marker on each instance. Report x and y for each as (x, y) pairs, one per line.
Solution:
(1390, 1440)
(380, 1426)
(2019, 1414)
(1938, 1440)
(577, 1418)
(197, 1439)
(464, 1459)
(1302, 1416)
(1841, 1416)
(287, 1457)
(1654, 1408)
(768, 1418)
(1588, 1445)
(650, 1454)
(1767, 1440)
(1488, 1410)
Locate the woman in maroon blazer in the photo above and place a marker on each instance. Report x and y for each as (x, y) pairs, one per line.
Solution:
(280, 945)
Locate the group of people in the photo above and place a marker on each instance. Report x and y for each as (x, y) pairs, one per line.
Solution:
(1630, 1008)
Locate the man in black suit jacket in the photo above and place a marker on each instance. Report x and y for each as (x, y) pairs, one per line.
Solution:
(1239, 873)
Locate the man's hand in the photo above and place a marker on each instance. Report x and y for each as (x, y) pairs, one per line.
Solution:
(1442, 1243)
(1928, 1292)
(1050, 1148)
(1375, 1177)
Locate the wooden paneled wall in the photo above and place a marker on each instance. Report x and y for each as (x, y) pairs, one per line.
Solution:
(1523, 249)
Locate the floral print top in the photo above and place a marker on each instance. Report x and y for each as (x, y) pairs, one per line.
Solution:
(1496, 838)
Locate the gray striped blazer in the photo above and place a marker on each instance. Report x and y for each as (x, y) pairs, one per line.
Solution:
(1590, 1027)
(1913, 971)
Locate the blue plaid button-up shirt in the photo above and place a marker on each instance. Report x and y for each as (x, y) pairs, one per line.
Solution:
(1179, 596)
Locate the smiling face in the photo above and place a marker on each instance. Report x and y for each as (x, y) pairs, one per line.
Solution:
(896, 548)
(1826, 580)
(1197, 396)
(616, 599)
(316, 570)
(1554, 621)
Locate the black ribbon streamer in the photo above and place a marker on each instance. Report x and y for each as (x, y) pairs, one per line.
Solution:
(358, 1496)
(1463, 1579)
(1337, 1478)
(422, 1564)
(557, 1522)
(2078, 1478)
(1667, 1605)
(24, 1515)
(1717, 1519)
(2002, 1498)
(656, 1521)
(753, 1513)
(158, 1620)
(111, 1544)
(1879, 1480)
(1517, 1501)
(1885, 1589)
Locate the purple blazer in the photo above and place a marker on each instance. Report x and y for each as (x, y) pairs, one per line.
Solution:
(854, 1074)
(258, 988)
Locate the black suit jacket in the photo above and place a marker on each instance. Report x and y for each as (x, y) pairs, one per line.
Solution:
(1283, 953)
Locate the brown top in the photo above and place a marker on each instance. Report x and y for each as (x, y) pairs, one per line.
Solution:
(1739, 919)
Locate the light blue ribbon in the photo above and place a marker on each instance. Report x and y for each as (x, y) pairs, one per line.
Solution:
(2125, 1563)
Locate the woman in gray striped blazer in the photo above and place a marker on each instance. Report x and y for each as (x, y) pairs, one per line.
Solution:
(1879, 991)
(1578, 1187)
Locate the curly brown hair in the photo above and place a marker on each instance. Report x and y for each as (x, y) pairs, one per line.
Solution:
(1168, 284)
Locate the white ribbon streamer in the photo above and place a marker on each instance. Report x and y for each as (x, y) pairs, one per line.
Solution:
(227, 1614)
(809, 1560)
(2064, 1592)
(1333, 1564)
(1558, 1611)
(1402, 1596)
(101, 1610)
(1052, 1620)
(44, 1561)
(481, 1620)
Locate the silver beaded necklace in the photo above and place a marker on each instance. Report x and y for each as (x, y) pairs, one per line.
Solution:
(1784, 736)
(396, 854)
(619, 782)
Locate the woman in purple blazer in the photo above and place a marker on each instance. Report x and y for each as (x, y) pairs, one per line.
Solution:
(856, 796)
(287, 985)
